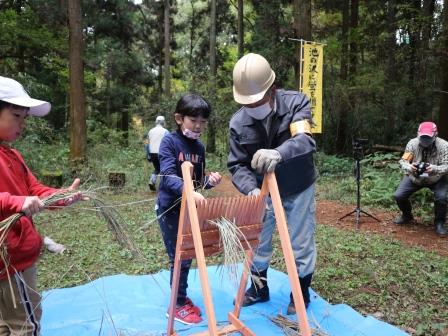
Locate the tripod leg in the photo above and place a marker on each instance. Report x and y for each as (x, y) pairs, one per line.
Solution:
(348, 214)
(371, 216)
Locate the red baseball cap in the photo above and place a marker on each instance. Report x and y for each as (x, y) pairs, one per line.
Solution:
(427, 128)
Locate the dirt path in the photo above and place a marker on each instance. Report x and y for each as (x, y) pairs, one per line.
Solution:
(328, 213)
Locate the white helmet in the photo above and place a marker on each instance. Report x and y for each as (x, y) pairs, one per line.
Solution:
(252, 77)
(160, 120)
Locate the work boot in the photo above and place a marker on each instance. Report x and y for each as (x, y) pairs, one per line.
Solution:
(305, 283)
(406, 211)
(403, 219)
(441, 230)
(152, 182)
(439, 220)
(258, 290)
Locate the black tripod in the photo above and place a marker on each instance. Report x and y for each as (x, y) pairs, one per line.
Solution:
(358, 153)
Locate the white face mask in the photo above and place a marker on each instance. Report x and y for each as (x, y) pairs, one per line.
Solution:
(259, 112)
(190, 134)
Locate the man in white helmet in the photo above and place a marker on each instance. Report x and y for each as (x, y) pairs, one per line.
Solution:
(425, 164)
(155, 136)
(272, 132)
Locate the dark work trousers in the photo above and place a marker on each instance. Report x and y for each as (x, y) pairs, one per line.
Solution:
(155, 162)
(407, 188)
(169, 223)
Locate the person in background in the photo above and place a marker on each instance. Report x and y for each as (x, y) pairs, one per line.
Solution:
(425, 165)
(20, 192)
(272, 132)
(155, 136)
(191, 114)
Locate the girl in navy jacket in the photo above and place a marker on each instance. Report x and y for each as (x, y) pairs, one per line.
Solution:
(192, 112)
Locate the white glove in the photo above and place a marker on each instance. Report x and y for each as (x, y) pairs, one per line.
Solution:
(265, 160)
(254, 192)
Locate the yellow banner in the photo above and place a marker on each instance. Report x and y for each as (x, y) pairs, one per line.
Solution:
(312, 75)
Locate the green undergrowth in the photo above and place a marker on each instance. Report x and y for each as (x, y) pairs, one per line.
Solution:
(401, 285)
(380, 177)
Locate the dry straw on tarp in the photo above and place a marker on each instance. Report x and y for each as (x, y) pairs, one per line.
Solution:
(233, 250)
(290, 328)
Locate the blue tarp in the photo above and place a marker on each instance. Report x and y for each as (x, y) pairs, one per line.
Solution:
(137, 305)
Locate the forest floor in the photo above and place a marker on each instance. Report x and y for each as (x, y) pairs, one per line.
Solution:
(328, 213)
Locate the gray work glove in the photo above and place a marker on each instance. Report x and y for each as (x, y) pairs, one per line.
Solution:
(254, 192)
(265, 160)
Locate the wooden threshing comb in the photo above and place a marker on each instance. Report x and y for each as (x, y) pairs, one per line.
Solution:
(198, 238)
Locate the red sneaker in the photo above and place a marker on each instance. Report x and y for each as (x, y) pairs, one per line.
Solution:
(186, 315)
(195, 308)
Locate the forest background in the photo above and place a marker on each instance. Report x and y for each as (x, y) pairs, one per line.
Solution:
(110, 67)
(385, 62)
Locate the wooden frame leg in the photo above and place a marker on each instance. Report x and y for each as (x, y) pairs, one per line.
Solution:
(173, 297)
(289, 255)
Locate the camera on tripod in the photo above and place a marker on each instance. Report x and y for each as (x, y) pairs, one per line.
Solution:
(358, 147)
(358, 153)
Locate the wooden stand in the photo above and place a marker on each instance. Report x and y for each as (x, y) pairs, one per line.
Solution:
(198, 238)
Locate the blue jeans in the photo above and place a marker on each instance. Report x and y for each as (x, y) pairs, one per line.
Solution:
(169, 224)
(300, 212)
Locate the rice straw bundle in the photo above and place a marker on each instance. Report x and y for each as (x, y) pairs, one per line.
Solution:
(290, 328)
(111, 216)
(7, 223)
(230, 240)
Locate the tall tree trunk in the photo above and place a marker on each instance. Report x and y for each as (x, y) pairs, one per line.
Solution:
(414, 44)
(161, 52)
(240, 28)
(425, 53)
(443, 109)
(123, 122)
(192, 31)
(78, 127)
(391, 70)
(211, 138)
(20, 50)
(342, 125)
(167, 49)
(428, 15)
(302, 28)
(343, 74)
(354, 18)
(213, 38)
(267, 30)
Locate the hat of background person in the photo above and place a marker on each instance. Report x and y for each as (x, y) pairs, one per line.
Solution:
(13, 92)
(160, 119)
(427, 128)
(252, 77)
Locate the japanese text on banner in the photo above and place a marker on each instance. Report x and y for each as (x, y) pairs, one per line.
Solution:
(312, 74)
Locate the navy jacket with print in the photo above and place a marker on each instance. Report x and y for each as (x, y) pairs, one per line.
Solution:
(175, 149)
